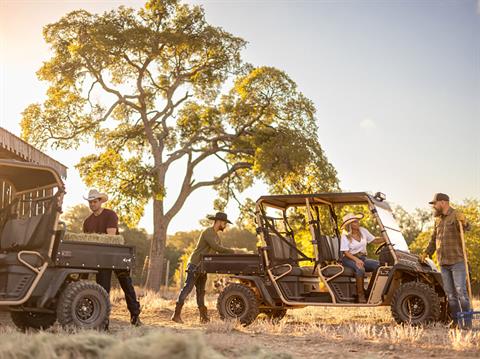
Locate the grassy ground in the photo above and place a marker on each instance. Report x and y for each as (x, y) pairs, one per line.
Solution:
(304, 333)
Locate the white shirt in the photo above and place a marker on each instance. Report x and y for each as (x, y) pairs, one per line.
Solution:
(353, 246)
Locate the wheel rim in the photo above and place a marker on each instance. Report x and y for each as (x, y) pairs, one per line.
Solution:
(87, 309)
(413, 306)
(235, 306)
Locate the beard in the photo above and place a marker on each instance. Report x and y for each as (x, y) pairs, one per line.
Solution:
(437, 212)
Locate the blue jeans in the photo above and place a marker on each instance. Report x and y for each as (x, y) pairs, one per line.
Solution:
(194, 279)
(370, 265)
(455, 285)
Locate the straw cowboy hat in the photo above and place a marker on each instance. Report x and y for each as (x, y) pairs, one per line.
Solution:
(349, 218)
(94, 194)
(219, 216)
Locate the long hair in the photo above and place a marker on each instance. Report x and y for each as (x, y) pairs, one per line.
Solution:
(348, 231)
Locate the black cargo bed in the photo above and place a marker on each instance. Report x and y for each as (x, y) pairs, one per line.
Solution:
(250, 264)
(90, 255)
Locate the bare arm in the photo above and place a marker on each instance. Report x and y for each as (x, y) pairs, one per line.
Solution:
(378, 240)
(112, 231)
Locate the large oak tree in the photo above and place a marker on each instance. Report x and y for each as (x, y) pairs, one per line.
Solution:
(159, 85)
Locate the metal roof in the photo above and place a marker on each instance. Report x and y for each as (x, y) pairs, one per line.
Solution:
(25, 176)
(13, 147)
(283, 201)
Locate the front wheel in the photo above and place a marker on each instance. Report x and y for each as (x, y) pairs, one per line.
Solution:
(415, 303)
(238, 302)
(84, 305)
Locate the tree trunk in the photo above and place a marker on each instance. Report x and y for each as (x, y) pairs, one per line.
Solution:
(157, 247)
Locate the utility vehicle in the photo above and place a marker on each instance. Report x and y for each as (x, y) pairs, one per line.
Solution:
(44, 279)
(282, 277)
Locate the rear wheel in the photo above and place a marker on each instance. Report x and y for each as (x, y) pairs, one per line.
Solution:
(84, 305)
(238, 302)
(415, 303)
(33, 320)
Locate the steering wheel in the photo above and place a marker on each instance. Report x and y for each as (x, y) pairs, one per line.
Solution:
(383, 245)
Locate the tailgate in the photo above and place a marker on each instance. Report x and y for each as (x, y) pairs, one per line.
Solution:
(94, 255)
(231, 264)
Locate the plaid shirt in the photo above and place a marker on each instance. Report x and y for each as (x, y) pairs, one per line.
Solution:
(446, 238)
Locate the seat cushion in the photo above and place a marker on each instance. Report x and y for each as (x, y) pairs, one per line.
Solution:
(331, 271)
(296, 271)
(9, 259)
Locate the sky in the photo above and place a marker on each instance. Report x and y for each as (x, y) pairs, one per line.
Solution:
(396, 85)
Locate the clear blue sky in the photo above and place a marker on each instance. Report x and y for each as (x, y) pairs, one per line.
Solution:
(396, 85)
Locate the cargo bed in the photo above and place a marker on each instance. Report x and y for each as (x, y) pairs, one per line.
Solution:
(90, 255)
(245, 264)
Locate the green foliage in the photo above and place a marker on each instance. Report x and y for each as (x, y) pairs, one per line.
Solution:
(411, 224)
(74, 217)
(141, 60)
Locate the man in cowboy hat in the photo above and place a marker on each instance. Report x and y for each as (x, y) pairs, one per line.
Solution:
(105, 221)
(208, 243)
(447, 242)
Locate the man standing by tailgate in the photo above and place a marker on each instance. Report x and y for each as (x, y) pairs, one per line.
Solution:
(105, 221)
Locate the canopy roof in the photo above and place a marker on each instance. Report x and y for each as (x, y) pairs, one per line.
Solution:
(284, 201)
(25, 176)
(14, 148)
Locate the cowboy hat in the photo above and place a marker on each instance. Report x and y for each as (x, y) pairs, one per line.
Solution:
(219, 216)
(94, 194)
(350, 217)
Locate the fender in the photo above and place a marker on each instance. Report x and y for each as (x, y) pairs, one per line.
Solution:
(436, 276)
(260, 285)
(56, 281)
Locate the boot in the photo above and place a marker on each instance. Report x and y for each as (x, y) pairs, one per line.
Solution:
(360, 290)
(176, 316)
(135, 320)
(203, 314)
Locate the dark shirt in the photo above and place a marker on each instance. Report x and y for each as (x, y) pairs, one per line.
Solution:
(446, 238)
(208, 243)
(99, 224)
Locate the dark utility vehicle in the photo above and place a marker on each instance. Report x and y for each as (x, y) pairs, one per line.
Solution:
(275, 279)
(43, 279)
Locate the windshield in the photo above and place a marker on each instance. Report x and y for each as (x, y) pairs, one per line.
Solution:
(393, 231)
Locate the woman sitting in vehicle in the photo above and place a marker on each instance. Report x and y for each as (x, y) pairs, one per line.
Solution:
(354, 248)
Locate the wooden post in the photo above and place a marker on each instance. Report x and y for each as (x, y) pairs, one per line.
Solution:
(167, 274)
(464, 249)
(144, 270)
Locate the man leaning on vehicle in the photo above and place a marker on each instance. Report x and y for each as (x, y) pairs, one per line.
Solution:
(447, 242)
(208, 243)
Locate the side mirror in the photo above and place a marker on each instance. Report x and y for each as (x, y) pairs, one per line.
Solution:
(379, 196)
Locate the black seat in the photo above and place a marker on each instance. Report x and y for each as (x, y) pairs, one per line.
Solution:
(329, 252)
(282, 254)
(17, 233)
(33, 233)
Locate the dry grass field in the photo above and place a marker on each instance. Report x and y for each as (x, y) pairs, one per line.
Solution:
(303, 333)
